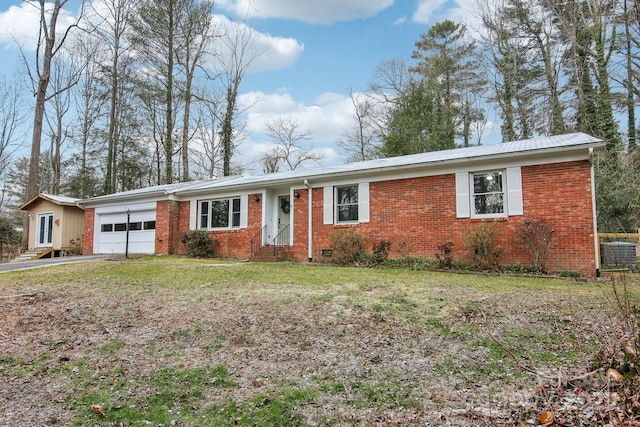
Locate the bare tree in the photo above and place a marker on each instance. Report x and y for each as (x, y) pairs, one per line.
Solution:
(48, 47)
(58, 128)
(11, 118)
(237, 52)
(288, 136)
(360, 142)
(88, 97)
(197, 31)
(112, 22)
(207, 149)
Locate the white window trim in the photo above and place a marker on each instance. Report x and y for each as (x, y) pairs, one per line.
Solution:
(197, 217)
(337, 206)
(505, 202)
(329, 202)
(512, 187)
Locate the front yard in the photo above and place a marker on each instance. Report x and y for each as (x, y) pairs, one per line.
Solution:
(172, 341)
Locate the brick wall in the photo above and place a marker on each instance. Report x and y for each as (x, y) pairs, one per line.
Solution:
(418, 214)
(233, 243)
(167, 227)
(89, 226)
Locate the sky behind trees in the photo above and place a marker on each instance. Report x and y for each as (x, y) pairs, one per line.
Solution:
(313, 54)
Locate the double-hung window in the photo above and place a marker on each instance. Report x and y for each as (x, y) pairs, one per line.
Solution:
(488, 193)
(222, 213)
(493, 193)
(347, 204)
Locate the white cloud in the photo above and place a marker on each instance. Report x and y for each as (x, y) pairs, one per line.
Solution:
(400, 20)
(428, 11)
(20, 24)
(432, 11)
(327, 118)
(264, 51)
(312, 12)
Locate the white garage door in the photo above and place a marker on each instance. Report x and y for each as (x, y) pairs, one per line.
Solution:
(112, 233)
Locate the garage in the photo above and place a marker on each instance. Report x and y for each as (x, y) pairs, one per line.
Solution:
(111, 231)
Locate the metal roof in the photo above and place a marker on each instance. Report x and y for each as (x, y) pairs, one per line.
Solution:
(527, 147)
(58, 200)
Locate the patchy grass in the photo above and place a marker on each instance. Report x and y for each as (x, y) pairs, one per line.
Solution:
(175, 341)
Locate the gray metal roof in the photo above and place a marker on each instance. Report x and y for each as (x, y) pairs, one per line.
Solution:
(574, 141)
(568, 142)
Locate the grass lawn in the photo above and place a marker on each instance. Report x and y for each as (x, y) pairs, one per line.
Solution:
(171, 341)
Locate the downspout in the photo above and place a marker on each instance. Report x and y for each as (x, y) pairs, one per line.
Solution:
(596, 240)
(310, 219)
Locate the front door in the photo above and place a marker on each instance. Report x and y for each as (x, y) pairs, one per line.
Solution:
(44, 230)
(284, 219)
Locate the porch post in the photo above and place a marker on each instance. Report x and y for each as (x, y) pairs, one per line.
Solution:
(310, 221)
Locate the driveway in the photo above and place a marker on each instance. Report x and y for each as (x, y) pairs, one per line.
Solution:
(45, 262)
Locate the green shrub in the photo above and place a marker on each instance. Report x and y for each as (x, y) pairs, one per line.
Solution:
(199, 244)
(483, 240)
(348, 247)
(535, 236)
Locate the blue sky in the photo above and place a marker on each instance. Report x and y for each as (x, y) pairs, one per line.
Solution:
(315, 53)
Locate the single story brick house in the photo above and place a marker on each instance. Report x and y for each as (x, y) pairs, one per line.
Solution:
(416, 202)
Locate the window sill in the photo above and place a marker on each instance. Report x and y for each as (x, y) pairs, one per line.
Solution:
(490, 219)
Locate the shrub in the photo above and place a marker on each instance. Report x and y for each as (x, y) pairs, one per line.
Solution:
(483, 239)
(75, 246)
(444, 255)
(199, 244)
(348, 247)
(535, 235)
(381, 251)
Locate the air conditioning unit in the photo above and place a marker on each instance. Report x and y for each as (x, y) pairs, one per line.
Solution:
(617, 254)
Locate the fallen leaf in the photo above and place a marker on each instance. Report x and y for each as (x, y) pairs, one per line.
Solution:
(614, 375)
(546, 418)
(97, 408)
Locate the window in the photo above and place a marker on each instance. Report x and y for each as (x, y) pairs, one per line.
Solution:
(204, 215)
(223, 213)
(235, 213)
(135, 226)
(149, 225)
(120, 226)
(488, 193)
(347, 204)
(220, 214)
(106, 228)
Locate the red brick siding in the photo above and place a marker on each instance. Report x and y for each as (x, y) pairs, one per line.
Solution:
(418, 214)
(89, 227)
(233, 243)
(300, 211)
(167, 227)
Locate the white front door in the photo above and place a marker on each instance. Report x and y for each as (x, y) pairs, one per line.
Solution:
(44, 230)
(284, 219)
